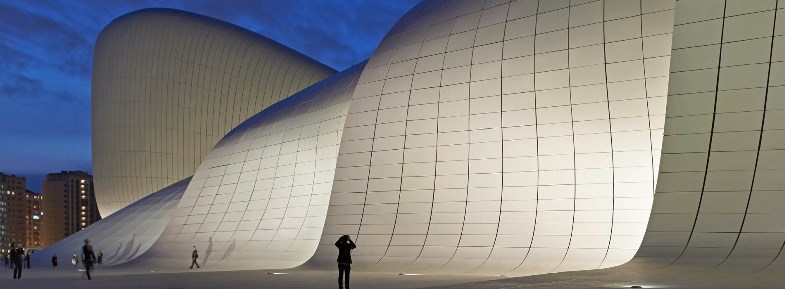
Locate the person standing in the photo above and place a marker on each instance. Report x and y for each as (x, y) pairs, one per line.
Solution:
(5, 260)
(75, 261)
(54, 261)
(88, 257)
(194, 256)
(16, 260)
(345, 247)
(100, 257)
(27, 260)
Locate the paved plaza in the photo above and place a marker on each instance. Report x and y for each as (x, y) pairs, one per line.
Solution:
(63, 278)
(624, 276)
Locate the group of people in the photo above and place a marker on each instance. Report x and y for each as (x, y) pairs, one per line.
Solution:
(99, 260)
(17, 256)
(10, 264)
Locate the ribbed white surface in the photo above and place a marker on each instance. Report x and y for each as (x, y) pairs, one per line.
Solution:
(167, 85)
(505, 138)
(260, 197)
(721, 192)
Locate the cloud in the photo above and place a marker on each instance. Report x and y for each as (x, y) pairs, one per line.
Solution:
(46, 51)
(43, 57)
(24, 24)
(340, 34)
(12, 58)
(337, 33)
(20, 86)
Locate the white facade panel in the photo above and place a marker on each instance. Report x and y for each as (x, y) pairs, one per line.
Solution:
(543, 111)
(246, 210)
(167, 85)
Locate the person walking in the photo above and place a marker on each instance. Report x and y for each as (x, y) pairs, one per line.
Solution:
(5, 260)
(54, 261)
(16, 260)
(194, 256)
(88, 257)
(345, 247)
(27, 260)
(75, 261)
(100, 257)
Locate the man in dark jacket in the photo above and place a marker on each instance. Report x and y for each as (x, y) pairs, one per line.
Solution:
(194, 256)
(345, 247)
(16, 260)
(88, 257)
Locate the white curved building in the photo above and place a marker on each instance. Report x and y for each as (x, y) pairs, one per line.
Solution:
(167, 85)
(514, 138)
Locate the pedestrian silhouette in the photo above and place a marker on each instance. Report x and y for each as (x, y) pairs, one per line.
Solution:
(88, 257)
(17, 253)
(54, 261)
(100, 257)
(345, 247)
(75, 261)
(5, 260)
(27, 260)
(194, 256)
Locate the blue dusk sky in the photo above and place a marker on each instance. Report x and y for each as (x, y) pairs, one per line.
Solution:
(46, 61)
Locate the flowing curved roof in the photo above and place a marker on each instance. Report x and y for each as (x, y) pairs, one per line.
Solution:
(167, 85)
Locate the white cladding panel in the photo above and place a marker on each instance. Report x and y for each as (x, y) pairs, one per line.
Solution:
(260, 197)
(493, 137)
(721, 196)
(167, 85)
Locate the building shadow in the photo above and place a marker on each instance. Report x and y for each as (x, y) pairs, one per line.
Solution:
(229, 249)
(208, 251)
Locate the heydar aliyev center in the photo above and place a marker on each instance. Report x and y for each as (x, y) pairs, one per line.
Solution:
(481, 137)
